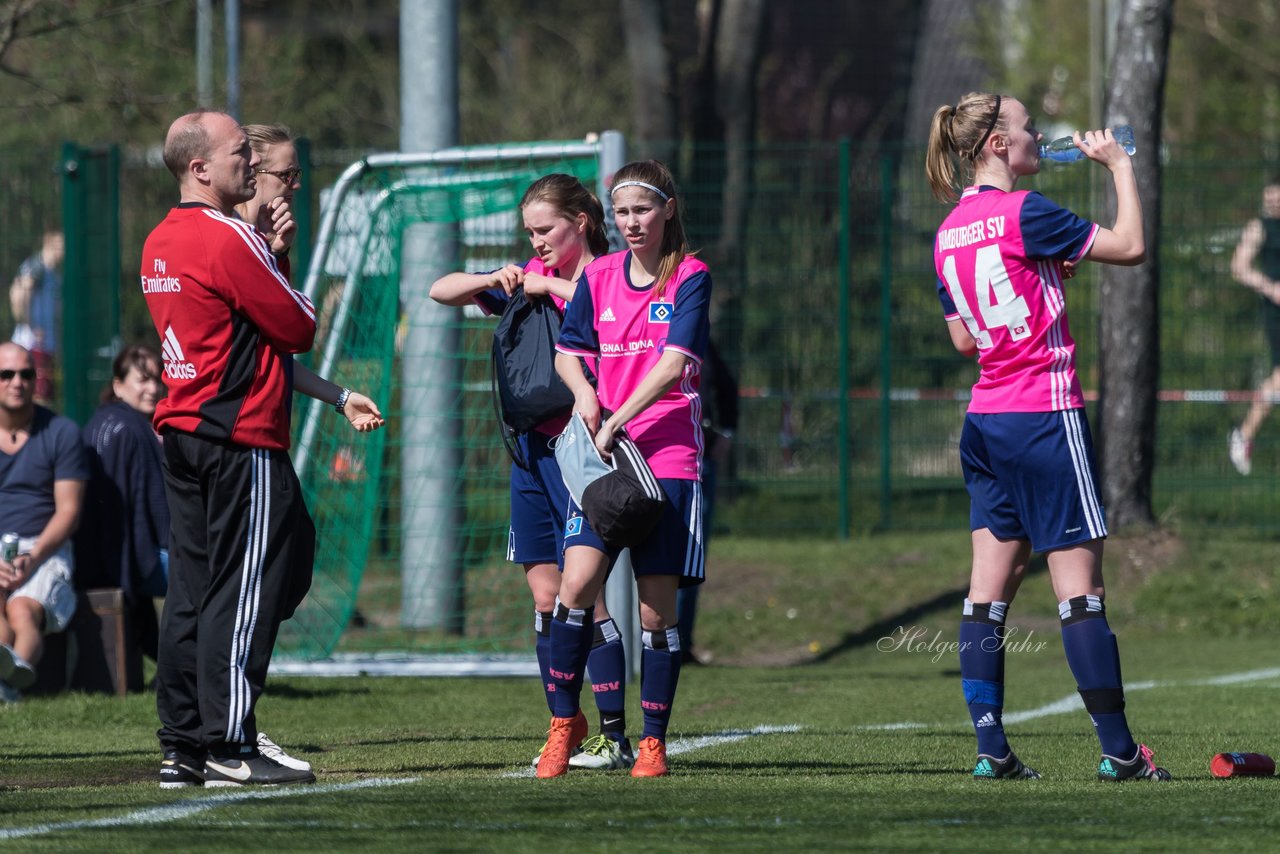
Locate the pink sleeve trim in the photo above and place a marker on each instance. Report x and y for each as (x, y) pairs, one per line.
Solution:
(586, 354)
(696, 358)
(1088, 243)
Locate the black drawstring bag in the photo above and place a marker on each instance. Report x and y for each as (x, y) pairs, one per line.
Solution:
(626, 504)
(527, 391)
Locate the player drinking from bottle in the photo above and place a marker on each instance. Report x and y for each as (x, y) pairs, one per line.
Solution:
(1025, 447)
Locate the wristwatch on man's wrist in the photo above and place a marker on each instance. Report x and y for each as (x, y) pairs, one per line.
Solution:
(341, 403)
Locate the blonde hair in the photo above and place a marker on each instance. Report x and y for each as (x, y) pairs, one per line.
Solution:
(262, 137)
(675, 246)
(956, 138)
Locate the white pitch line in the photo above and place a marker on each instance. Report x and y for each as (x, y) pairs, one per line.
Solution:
(184, 809)
(685, 745)
(1236, 678)
(1073, 703)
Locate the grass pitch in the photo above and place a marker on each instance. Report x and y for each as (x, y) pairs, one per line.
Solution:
(863, 745)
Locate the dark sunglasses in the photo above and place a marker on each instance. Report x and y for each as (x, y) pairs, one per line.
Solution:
(288, 176)
(8, 374)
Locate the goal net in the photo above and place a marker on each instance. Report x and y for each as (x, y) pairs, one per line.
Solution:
(412, 519)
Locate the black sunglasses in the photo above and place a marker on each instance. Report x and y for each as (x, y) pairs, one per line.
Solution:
(288, 176)
(26, 373)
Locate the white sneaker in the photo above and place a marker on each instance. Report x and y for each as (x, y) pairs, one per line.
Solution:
(603, 753)
(15, 669)
(1240, 450)
(276, 754)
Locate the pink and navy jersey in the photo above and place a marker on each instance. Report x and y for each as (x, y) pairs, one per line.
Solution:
(999, 261)
(628, 329)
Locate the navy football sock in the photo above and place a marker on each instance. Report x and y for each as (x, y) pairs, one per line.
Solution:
(570, 641)
(607, 669)
(542, 646)
(1094, 658)
(982, 673)
(659, 674)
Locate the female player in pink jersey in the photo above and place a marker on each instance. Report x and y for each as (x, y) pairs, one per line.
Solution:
(565, 224)
(643, 313)
(1001, 258)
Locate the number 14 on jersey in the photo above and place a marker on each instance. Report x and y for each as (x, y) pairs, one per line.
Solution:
(998, 305)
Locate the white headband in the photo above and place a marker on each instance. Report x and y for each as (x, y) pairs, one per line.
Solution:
(663, 195)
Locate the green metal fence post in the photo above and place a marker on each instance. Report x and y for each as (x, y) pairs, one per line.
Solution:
(73, 235)
(90, 274)
(886, 350)
(846, 283)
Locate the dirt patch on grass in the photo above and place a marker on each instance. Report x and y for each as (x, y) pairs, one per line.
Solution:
(1132, 559)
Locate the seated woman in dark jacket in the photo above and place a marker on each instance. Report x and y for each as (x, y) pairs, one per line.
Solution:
(123, 539)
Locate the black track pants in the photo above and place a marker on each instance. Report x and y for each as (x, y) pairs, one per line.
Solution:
(240, 553)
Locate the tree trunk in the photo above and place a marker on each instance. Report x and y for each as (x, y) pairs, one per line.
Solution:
(1129, 318)
(653, 70)
(737, 61)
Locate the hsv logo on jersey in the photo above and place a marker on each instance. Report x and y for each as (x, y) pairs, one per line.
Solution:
(606, 316)
(660, 312)
(176, 366)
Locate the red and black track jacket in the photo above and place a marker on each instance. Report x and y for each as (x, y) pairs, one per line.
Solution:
(226, 316)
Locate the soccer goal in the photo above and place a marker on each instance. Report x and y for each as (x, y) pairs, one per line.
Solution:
(412, 519)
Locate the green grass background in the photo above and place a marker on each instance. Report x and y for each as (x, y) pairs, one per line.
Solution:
(795, 632)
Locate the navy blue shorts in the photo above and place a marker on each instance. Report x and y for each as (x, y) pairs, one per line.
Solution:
(539, 502)
(1032, 476)
(674, 548)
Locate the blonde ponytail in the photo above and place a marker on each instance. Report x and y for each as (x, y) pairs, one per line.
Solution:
(956, 138)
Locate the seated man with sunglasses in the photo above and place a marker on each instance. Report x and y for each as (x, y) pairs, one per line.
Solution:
(42, 475)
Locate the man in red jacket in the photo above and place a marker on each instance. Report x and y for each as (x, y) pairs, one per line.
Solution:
(242, 541)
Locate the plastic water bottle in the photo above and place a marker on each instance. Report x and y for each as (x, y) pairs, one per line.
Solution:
(1063, 149)
(1242, 765)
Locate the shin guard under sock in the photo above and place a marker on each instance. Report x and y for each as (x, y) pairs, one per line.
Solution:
(1094, 658)
(982, 673)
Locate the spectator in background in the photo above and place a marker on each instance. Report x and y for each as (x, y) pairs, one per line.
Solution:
(42, 475)
(123, 540)
(1260, 242)
(35, 298)
(719, 424)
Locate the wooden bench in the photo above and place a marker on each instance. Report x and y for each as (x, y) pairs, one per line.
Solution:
(97, 653)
